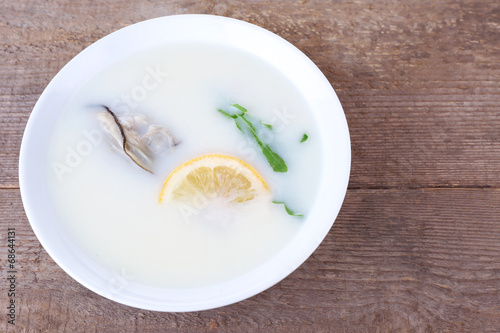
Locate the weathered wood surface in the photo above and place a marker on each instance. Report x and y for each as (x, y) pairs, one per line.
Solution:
(423, 260)
(416, 247)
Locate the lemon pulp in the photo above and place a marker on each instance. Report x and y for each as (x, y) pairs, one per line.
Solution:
(213, 176)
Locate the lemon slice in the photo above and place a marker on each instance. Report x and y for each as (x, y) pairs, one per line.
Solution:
(213, 176)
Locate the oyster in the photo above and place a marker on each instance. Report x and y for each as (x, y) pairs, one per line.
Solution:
(158, 139)
(133, 135)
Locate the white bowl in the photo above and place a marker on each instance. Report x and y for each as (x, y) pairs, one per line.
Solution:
(126, 42)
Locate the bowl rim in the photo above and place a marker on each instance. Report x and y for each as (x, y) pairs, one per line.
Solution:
(193, 27)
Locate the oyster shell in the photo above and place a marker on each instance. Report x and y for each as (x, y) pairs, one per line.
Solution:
(133, 135)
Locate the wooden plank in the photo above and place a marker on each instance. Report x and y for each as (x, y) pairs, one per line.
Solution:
(419, 86)
(395, 260)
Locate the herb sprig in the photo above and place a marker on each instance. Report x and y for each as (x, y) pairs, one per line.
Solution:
(246, 124)
(288, 210)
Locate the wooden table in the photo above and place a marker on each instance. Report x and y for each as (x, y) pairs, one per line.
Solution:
(416, 247)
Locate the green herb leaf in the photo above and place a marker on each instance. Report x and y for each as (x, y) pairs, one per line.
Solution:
(288, 210)
(233, 116)
(275, 160)
(240, 124)
(239, 107)
(304, 138)
(267, 125)
(245, 124)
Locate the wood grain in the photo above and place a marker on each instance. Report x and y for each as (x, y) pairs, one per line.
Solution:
(419, 87)
(395, 260)
(416, 246)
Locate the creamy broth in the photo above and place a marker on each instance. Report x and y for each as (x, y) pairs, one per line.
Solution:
(110, 206)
